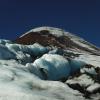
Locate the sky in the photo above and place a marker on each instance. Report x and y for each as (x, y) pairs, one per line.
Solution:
(81, 17)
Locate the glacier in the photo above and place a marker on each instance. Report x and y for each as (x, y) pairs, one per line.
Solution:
(66, 68)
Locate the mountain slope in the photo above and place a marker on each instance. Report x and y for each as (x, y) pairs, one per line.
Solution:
(55, 36)
(49, 63)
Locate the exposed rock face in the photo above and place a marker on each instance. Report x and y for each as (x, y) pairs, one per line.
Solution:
(49, 64)
(44, 37)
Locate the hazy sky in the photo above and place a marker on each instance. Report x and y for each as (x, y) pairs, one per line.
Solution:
(81, 17)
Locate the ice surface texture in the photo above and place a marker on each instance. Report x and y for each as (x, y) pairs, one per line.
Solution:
(60, 66)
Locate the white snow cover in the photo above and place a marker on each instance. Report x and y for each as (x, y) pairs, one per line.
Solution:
(35, 49)
(2, 41)
(93, 87)
(89, 59)
(55, 31)
(90, 71)
(17, 82)
(83, 80)
(60, 32)
(21, 75)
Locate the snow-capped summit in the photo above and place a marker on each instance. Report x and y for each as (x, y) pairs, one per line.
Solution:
(57, 37)
(54, 31)
(49, 63)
